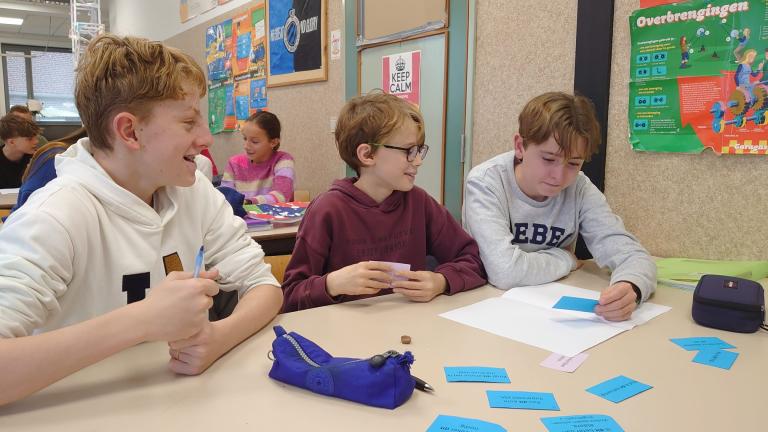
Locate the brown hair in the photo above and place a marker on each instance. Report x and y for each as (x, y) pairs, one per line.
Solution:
(129, 74)
(567, 118)
(371, 119)
(21, 109)
(267, 122)
(14, 126)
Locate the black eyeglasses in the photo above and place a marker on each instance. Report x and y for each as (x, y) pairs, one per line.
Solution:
(411, 151)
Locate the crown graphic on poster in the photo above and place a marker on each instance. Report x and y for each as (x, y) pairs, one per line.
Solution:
(400, 64)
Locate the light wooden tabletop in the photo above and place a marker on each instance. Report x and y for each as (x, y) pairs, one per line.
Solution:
(134, 391)
(7, 201)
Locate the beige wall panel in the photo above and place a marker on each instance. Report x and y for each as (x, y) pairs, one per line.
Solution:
(386, 17)
(698, 206)
(524, 47)
(304, 110)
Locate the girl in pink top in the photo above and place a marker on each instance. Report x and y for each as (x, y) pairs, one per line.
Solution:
(263, 174)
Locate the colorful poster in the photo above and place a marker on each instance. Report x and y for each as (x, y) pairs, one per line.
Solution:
(297, 41)
(217, 109)
(218, 51)
(699, 77)
(401, 75)
(258, 66)
(230, 119)
(241, 30)
(258, 94)
(651, 3)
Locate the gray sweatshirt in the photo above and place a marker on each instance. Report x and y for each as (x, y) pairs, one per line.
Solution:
(526, 242)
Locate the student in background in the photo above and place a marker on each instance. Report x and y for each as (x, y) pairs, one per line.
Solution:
(25, 112)
(100, 259)
(20, 137)
(41, 169)
(380, 216)
(526, 208)
(22, 111)
(263, 173)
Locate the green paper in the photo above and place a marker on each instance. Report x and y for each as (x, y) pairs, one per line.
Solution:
(685, 273)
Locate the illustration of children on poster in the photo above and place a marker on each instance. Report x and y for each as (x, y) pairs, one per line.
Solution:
(698, 78)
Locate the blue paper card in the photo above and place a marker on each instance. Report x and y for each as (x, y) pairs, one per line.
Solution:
(717, 358)
(522, 400)
(618, 389)
(581, 423)
(701, 343)
(576, 303)
(476, 374)
(444, 423)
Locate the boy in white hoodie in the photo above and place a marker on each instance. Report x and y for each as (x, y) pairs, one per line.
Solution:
(128, 212)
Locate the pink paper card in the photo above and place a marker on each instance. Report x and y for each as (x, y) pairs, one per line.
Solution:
(562, 363)
(397, 267)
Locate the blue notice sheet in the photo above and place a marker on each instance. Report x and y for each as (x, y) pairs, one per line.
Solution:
(444, 423)
(618, 389)
(717, 358)
(576, 304)
(701, 343)
(476, 374)
(522, 400)
(581, 423)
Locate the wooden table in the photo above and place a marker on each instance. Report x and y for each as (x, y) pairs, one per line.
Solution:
(7, 201)
(134, 391)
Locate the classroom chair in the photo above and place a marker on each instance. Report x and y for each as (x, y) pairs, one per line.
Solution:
(278, 263)
(301, 195)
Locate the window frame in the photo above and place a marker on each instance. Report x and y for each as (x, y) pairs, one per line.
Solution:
(27, 50)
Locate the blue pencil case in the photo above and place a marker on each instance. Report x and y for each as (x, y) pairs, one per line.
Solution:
(729, 303)
(382, 381)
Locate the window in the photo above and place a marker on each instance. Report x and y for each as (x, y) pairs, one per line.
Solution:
(44, 74)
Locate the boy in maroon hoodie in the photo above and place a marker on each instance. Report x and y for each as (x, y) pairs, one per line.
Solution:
(350, 232)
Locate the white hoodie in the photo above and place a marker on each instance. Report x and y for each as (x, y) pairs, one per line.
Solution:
(68, 253)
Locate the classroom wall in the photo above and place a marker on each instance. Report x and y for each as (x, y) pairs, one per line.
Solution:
(523, 48)
(305, 110)
(158, 19)
(698, 206)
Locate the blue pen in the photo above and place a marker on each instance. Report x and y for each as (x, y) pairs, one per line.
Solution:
(199, 261)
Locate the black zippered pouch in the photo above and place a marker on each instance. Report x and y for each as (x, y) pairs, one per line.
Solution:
(729, 303)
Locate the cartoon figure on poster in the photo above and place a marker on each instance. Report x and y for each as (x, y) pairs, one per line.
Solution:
(748, 97)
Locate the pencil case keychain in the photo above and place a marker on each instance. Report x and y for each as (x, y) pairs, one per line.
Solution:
(383, 380)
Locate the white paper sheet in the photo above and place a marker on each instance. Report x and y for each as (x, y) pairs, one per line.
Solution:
(525, 314)
(9, 191)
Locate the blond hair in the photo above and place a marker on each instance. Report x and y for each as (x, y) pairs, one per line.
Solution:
(371, 119)
(567, 118)
(129, 74)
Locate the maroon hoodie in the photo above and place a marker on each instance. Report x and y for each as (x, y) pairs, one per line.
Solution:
(345, 226)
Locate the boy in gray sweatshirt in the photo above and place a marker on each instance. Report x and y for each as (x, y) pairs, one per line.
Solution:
(526, 208)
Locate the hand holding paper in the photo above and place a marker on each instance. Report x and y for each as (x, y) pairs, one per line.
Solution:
(617, 302)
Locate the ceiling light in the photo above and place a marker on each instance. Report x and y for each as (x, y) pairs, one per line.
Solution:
(11, 21)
